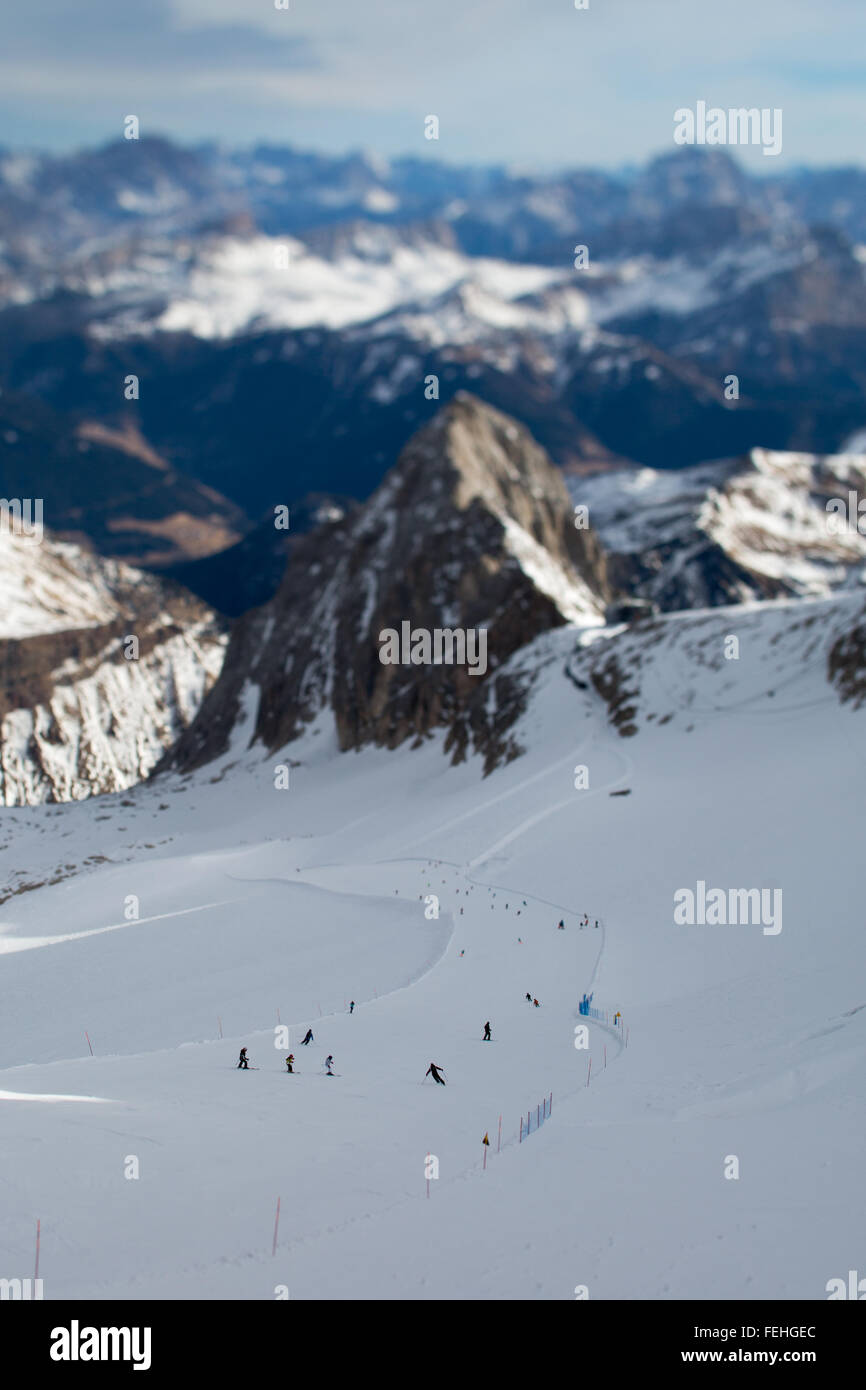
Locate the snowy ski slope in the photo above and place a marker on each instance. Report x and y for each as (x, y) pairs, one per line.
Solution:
(257, 905)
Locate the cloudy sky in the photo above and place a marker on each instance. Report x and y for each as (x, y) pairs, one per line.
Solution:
(530, 83)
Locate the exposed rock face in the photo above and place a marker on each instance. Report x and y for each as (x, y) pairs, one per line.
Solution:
(846, 663)
(473, 529)
(77, 717)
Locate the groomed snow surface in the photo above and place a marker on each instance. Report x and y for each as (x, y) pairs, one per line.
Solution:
(253, 901)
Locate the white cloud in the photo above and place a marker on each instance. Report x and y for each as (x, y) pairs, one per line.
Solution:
(528, 81)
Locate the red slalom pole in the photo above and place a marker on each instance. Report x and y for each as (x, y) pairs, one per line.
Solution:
(38, 1232)
(276, 1227)
(89, 1043)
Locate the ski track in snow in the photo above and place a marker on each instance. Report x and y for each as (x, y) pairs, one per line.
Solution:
(12, 945)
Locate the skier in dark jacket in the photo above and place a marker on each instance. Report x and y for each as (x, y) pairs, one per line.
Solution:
(434, 1071)
(352, 1007)
(242, 1060)
(529, 998)
(486, 1037)
(289, 1060)
(308, 1039)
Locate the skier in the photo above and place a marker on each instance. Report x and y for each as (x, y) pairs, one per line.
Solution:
(289, 1060)
(352, 1007)
(486, 1037)
(328, 1060)
(433, 1070)
(529, 997)
(561, 925)
(242, 1060)
(536, 1003)
(596, 924)
(308, 1039)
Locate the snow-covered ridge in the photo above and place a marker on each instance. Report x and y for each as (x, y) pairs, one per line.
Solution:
(76, 715)
(49, 586)
(756, 527)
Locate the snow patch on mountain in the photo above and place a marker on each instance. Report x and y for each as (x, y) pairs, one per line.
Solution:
(237, 283)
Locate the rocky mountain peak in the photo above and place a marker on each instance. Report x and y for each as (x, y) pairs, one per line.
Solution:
(472, 531)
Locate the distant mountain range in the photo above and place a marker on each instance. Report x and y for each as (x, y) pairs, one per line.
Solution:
(290, 319)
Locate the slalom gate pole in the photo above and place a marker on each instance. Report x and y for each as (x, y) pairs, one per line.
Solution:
(550, 1108)
(276, 1227)
(499, 1139)
(589, 1070)
(220, 1022)
(38, 1233)
(520, 1140)
(605, 1056)
(89, 1043)
(538, 1117)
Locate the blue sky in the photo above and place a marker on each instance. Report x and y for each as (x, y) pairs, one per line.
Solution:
(534, 84)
